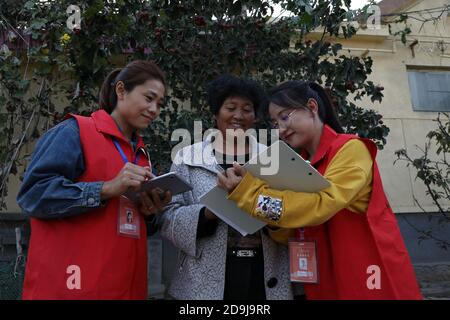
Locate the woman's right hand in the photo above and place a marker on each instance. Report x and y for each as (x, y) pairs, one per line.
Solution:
(131, 176)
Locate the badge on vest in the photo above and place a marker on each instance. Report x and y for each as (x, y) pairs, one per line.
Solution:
(128, 219)
(269, 207)
(303, 260)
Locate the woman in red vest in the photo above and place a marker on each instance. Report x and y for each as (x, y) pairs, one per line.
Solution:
(88, 241)
(347, 242)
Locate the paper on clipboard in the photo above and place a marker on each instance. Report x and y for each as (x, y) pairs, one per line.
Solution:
(294, 173)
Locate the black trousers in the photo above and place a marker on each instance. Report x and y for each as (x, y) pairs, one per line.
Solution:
(244, 278)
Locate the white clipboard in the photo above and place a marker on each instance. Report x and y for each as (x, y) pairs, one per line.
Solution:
(294, 173)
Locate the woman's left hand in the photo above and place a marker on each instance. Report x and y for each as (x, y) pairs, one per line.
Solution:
(231, 178)
(153, 202)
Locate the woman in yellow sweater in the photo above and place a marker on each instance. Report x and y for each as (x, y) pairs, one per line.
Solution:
(347, 238)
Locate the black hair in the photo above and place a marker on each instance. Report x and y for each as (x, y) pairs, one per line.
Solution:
(295, 95)
(133, 74)
(226, 86)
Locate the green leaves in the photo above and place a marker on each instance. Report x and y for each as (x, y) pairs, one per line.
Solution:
(38, 24)
(29, 5)
(402, 20)
(433, 169)
(193, 42)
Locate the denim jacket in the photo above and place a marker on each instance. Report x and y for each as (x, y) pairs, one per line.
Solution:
(49, 189)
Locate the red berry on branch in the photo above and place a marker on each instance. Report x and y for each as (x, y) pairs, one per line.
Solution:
(199, 21)
(350, 85)
(158, 33)
(226, 26)
(144, 15)
(259, 24)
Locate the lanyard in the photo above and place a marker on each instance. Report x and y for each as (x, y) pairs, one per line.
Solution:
(122, 154)
(300, 234)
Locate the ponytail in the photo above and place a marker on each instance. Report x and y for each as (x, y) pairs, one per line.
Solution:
(329, 115)
(108, 96)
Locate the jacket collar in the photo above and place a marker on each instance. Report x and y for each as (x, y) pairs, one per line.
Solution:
(106, 124)
(326, 140)
(201, 154)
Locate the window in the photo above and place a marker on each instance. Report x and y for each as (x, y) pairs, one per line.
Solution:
(430, 90)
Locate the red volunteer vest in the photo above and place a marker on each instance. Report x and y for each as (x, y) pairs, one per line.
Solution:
(110, 266)
(352, 247)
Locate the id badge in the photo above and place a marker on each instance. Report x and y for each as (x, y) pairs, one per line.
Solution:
(129, 219)
(303, 261)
